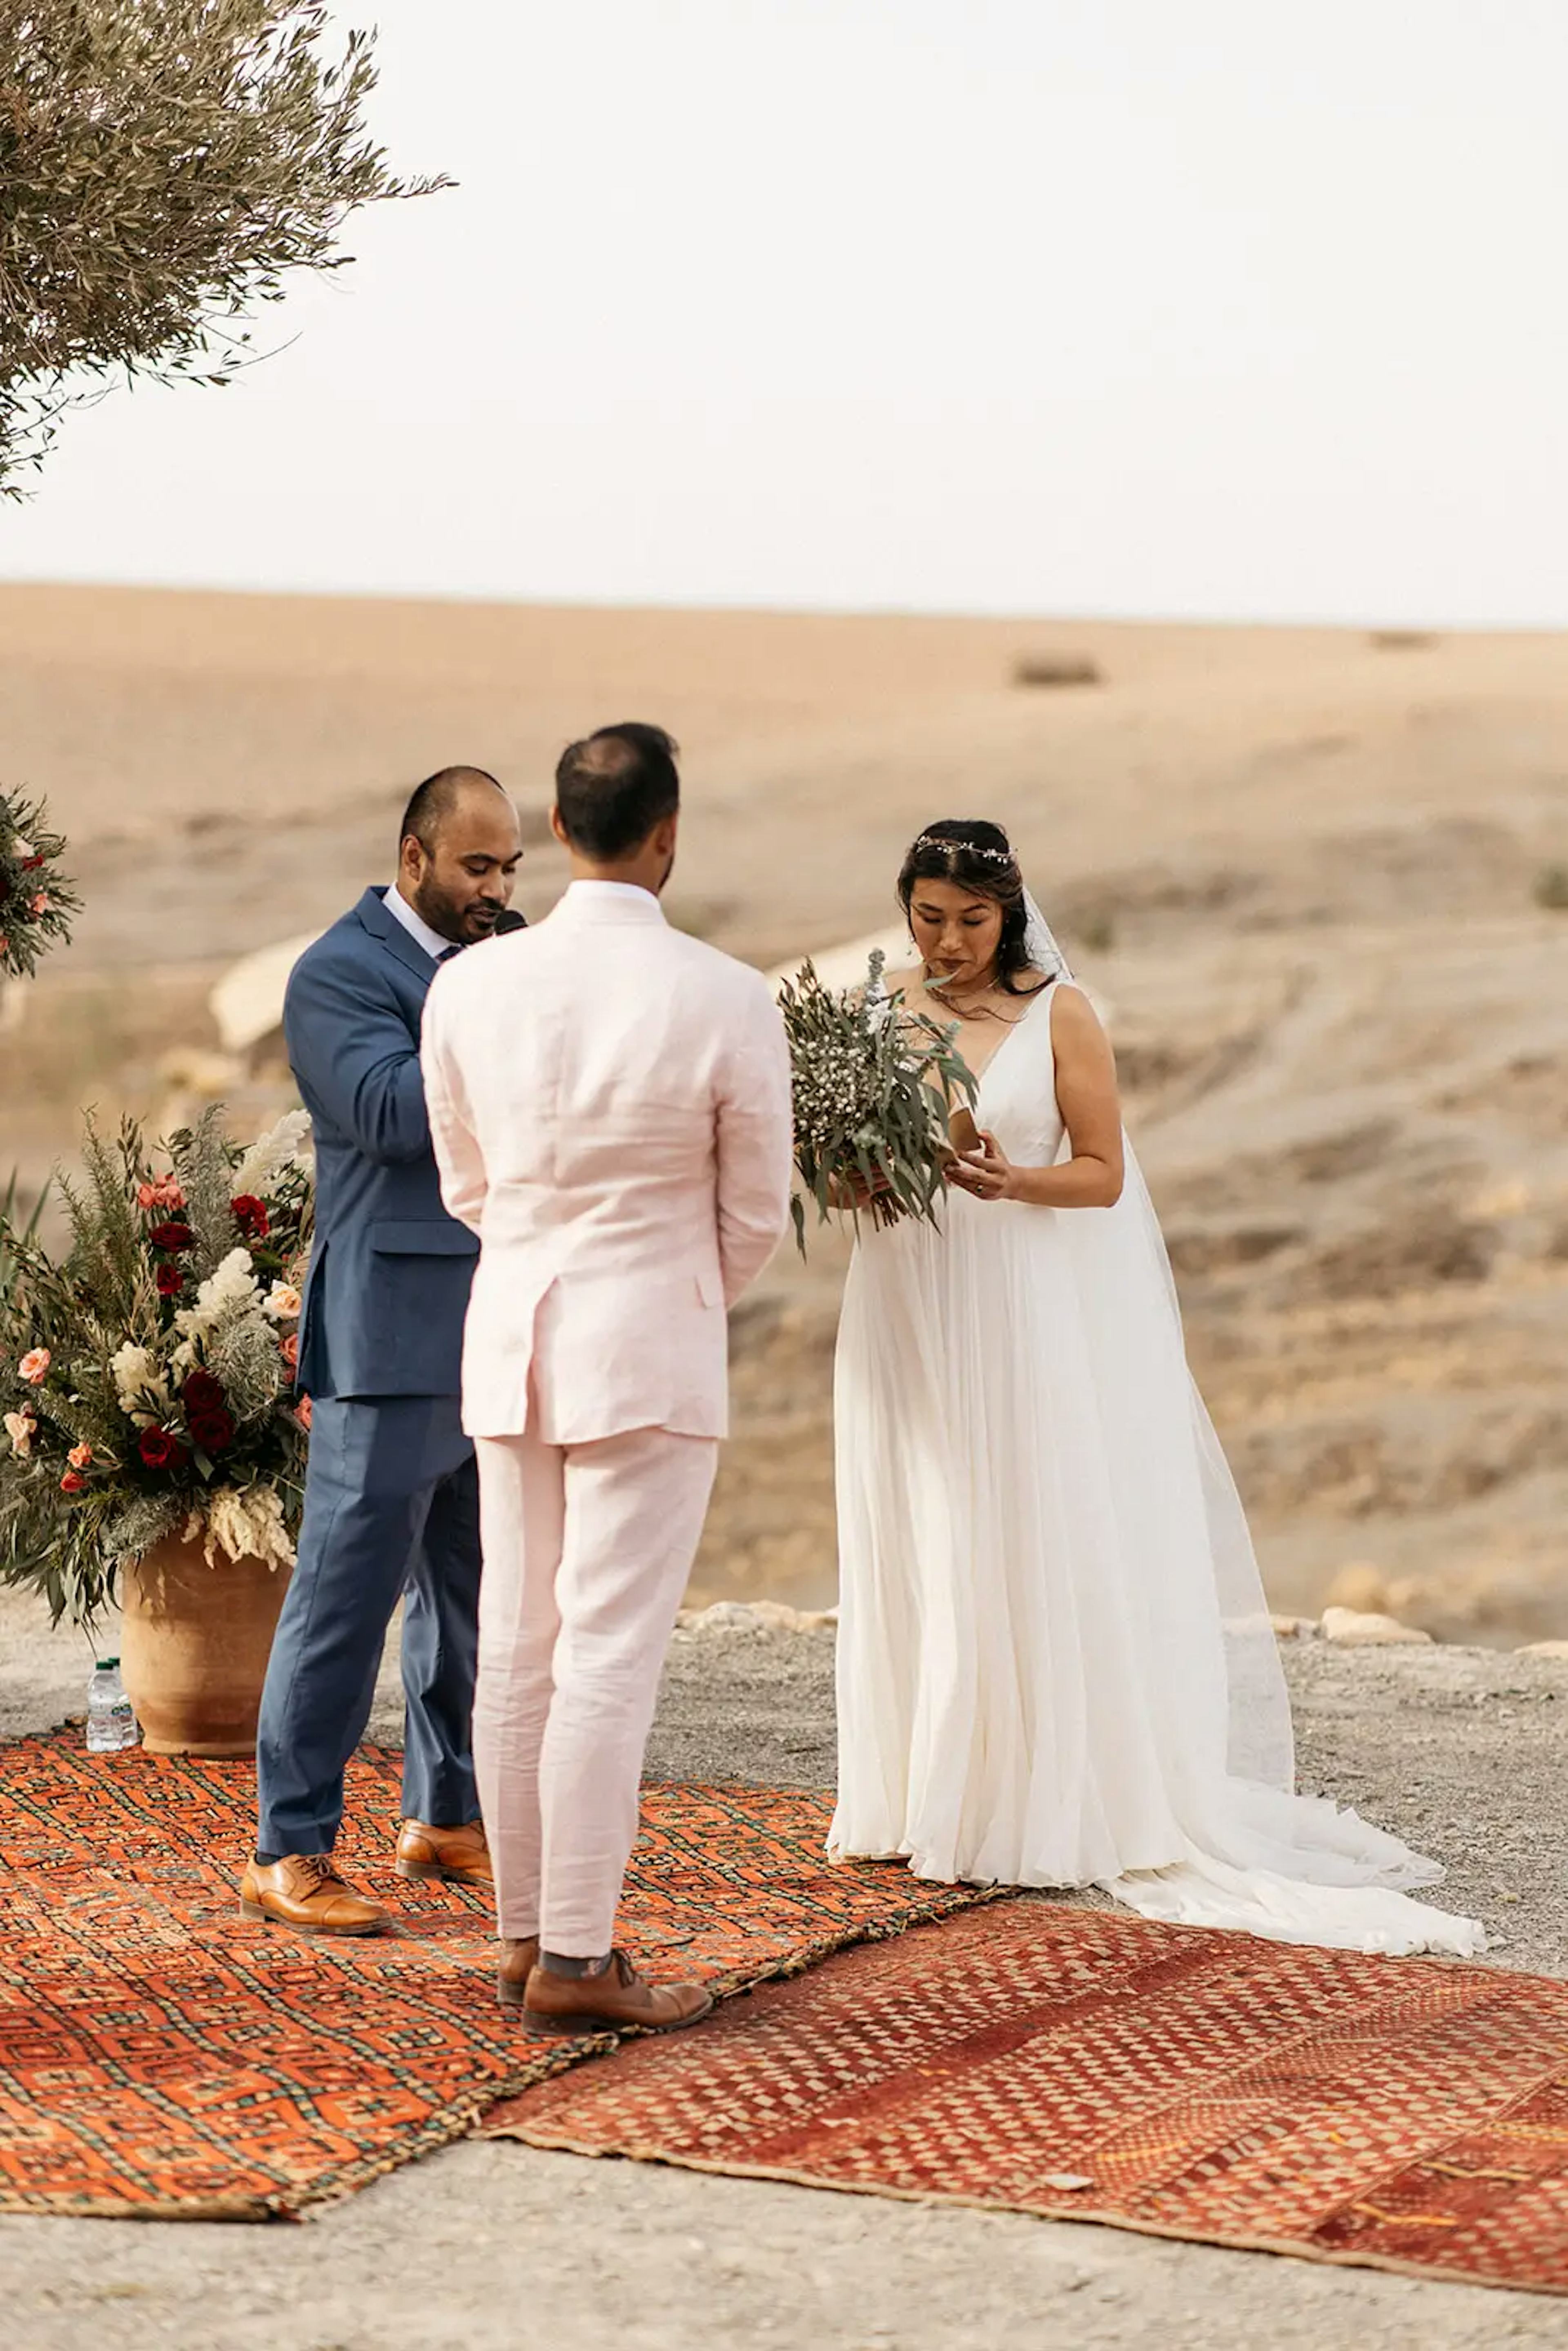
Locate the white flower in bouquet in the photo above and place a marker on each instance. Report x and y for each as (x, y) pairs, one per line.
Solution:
(243, 1523)
(143, 1391)
(284, 1146)
(282, 1303)
(228, 1292)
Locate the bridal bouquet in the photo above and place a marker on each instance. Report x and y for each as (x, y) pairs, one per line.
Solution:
(148, 1377)
(36, 902)
(873, 1088)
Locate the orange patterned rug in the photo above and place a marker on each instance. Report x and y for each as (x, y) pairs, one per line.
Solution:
(160, 2058)
(1394, 2112)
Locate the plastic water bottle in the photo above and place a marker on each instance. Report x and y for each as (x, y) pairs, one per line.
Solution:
(111, 1724)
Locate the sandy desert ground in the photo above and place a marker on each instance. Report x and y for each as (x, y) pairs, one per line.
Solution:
(1303, 869)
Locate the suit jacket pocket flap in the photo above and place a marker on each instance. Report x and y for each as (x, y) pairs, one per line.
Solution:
(422, 1237)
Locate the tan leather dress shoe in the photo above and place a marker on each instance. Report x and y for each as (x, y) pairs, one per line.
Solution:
(460, 1856)
(518, 1960)
(618, 2001)
(304, 1891)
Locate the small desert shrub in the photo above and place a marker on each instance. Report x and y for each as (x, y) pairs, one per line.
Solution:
(1401, 641)
(1057, 669)
(1551, 888)
(1097, 931)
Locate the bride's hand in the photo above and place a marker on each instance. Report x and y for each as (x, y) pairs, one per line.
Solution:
(854, 1192)
(986, 1174)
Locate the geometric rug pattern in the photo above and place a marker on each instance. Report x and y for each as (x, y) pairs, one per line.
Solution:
(1404, 2113)
(159, 2057)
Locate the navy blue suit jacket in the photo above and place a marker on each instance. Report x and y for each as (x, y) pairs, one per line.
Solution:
(391, 1271)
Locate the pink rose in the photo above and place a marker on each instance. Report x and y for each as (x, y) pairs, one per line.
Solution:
(39, 903)
(34, 1366)
(302, 1414)
(164, 1192)
(21, 1428)
(81, 1456)
(289, 1350)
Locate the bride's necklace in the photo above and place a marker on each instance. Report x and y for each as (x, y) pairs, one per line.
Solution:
(975, 1007)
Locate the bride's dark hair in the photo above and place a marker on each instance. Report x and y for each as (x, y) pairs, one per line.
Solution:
(978, 856)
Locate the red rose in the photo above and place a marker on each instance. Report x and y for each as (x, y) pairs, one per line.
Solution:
(173, 1235)
(171, 1282)
(31, 864)
(71, 1484)
(159, 1449)
(214, 1431)
(202, 1392)
(250, 1215)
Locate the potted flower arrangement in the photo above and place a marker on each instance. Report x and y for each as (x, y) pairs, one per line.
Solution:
(154, 1449)
(36, 902)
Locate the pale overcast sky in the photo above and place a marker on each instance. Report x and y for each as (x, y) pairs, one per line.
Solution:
(1234, 308)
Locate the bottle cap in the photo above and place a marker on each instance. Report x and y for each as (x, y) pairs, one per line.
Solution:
(104, 1662)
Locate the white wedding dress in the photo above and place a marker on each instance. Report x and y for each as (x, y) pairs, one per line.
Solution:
(1055, 1662)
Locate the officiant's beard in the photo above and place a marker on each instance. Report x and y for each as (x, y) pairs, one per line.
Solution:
(462, 920)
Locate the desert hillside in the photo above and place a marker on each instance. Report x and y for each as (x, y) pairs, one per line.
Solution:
(1311, 873)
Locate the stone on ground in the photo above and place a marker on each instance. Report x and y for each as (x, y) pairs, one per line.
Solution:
(1364, 1629)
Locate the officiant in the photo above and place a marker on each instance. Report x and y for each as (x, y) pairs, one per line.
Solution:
(391, 1496)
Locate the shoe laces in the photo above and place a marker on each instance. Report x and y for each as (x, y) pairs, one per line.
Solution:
(318, 1868)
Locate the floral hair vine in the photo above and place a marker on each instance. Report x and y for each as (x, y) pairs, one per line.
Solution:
(963, 848)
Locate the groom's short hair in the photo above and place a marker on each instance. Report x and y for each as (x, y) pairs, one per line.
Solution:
(615, 787)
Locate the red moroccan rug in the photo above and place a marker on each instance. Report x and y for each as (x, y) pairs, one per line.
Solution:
(1402, 2114)
(160, 2058)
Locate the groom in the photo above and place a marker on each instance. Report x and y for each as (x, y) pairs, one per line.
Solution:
(609, 1107)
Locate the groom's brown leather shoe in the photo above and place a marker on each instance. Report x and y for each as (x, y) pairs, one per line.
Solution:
(618, 2001)
(518, 1960)
(304, 1891)
(460, 1856)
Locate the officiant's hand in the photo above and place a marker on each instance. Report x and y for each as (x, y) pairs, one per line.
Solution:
(986, 1174)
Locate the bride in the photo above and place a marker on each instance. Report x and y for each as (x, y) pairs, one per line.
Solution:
(1055, 1664)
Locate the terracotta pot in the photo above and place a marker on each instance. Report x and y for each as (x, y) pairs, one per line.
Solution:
(193, 1645)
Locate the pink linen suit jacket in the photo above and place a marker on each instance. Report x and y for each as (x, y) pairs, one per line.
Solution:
(609, 1108)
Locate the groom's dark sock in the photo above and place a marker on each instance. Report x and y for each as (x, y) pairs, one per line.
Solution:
(554, 1964)
(267, 1860)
